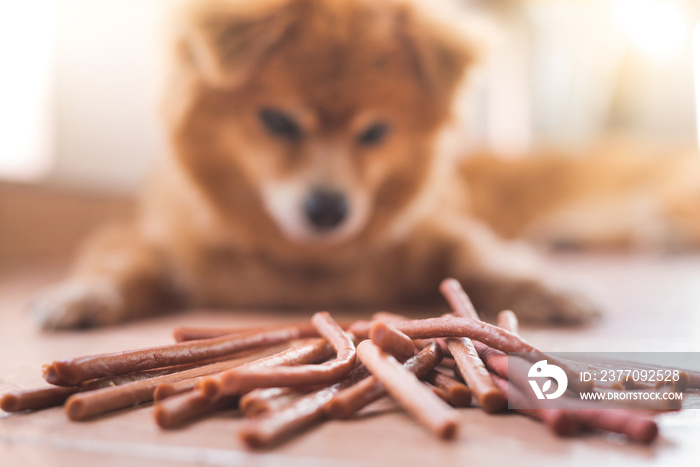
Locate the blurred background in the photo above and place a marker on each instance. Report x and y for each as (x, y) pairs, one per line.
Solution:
(79, 80)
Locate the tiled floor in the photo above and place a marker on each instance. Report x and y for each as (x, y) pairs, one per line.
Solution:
(654, 305)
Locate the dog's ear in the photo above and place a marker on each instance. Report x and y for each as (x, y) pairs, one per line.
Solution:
(443, 45)
(226, 39)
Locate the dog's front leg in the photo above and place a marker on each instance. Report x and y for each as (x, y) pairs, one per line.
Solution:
(118, 276)
(501, 275)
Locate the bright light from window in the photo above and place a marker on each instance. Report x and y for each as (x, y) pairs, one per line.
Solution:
(26, 35)
(655, 27)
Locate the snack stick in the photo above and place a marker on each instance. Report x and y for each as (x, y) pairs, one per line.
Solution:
(240, 380)
(475, 374)
(457, 393)
(277, 424)
(35, 399)
(188, 333)
(165, 390)
(458, 299)
(74, 371)
(88, 404)
(181, 408)
(452, 326)
(559, 421)
(408, 391)
(392, 341)
(470, 366)
(508, 320)
(262, 400)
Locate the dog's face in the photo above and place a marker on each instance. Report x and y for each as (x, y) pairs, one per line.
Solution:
(324, 112)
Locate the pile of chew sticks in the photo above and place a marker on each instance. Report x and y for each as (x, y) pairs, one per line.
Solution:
(286, 378)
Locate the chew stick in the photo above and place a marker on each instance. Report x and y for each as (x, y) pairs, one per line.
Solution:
(35, 399)
(408, 391)
(462, 349)
(72, 372)
(88, 404)
(508, 320)
(475, 374)
(165, 390)
(354, 398)
(559, 421)
(458, 299)
(188, 333)
(237, 381)
(275, 425)
(458, 394)
(182, 408)
(392, 341)
(451, 326)
(262, 400)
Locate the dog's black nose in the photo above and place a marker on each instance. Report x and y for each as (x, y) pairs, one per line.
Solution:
(325, 209)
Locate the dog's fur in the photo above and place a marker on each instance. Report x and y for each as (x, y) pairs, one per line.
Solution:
(222, 223)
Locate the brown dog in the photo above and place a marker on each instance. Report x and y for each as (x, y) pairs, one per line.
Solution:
(308, 171)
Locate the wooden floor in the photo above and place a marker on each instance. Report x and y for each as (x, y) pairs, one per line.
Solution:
(654, 306)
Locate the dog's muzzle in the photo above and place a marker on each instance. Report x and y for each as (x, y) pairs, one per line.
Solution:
(325, 209)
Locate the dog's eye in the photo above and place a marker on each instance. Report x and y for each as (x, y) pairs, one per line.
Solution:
(279, 124)
(374, 134)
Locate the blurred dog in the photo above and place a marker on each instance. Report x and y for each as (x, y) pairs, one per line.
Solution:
(309, 169)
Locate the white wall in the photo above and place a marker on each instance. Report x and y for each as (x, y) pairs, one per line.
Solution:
(109, 55)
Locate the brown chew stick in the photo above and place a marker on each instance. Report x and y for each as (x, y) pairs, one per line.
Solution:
(262, 400)
(316, 351)
(183, 408)
(165, 390)
(240, 380)
(470, 366)
(475, 374)
(509, 321)
(458, 299)
(408, 391)
(639, 429)
(72, 372)
(275, 425)
(89, 404)
(392, 341)
(452, 326)
(354, 398)
(186, 333)
(458, 394)
(35, 399)
(559, 421)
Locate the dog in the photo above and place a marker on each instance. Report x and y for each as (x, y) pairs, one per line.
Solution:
(311, 169)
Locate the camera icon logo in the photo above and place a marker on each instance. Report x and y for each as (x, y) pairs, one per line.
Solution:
(542, 369)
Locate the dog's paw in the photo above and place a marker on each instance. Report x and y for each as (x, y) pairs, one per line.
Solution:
(78, 304)
(541, 302)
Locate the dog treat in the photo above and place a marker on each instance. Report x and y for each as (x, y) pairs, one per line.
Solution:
(275, 425)
(35, 399)
(182, 408)
(237, 381)
(89, 404)
(457, 393)
(476, 375)
(282, 385)
(165, 390)
(392, 341)
(72, 372)
(458, 299)
(347, 402)
(408, 391)
(559, 421)
(452, 326)
(508, 320)
(262, 400)
(187, 333)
